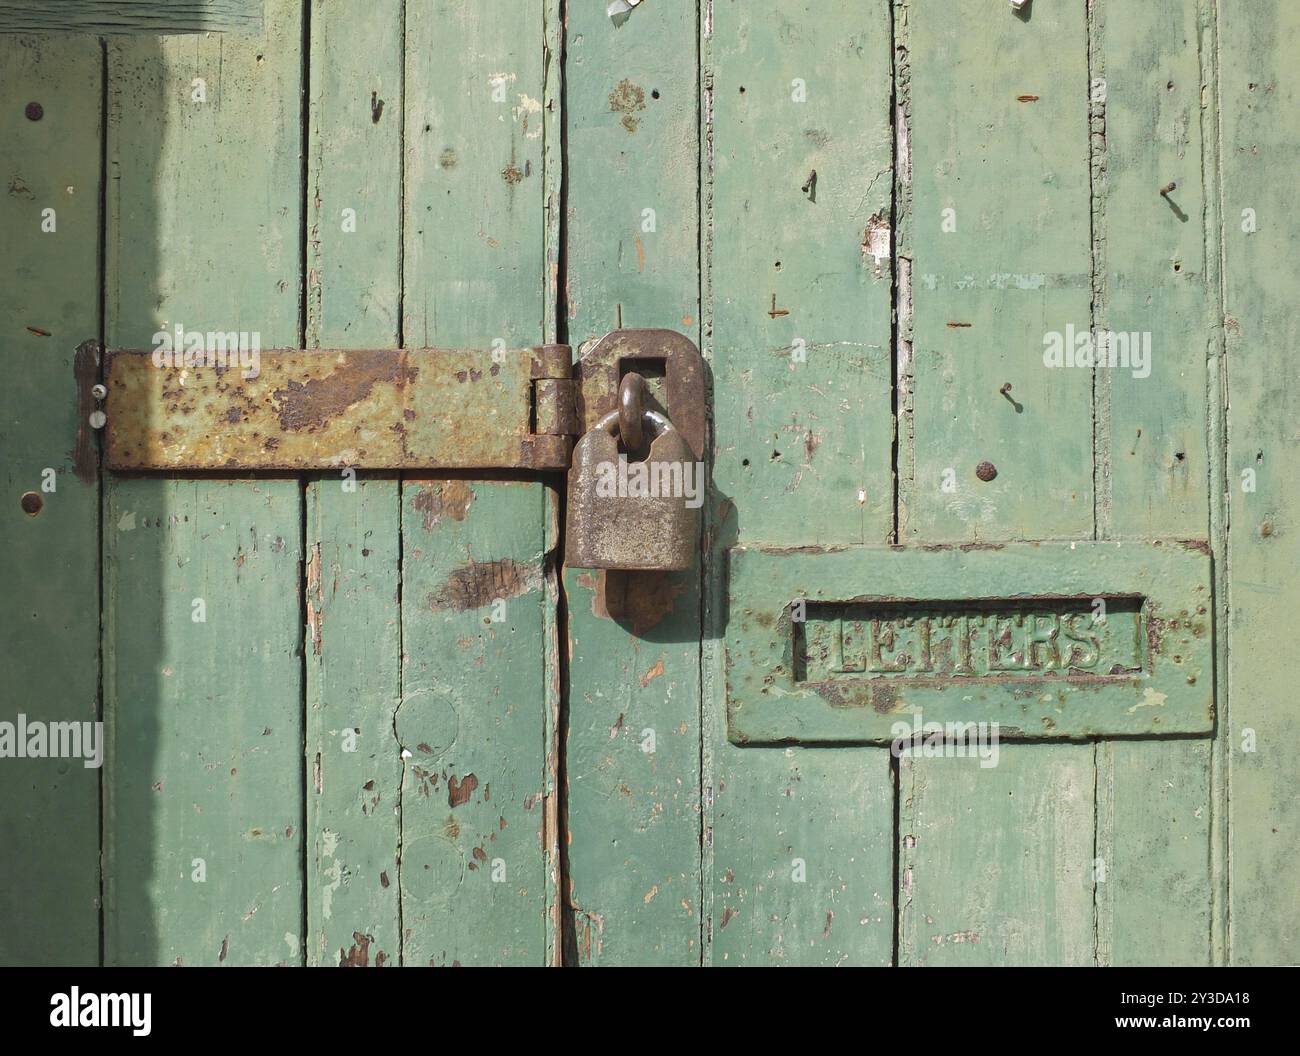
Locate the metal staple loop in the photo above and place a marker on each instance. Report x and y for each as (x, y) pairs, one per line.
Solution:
(631, 410)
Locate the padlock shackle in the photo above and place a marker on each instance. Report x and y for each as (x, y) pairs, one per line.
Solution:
(611, 424)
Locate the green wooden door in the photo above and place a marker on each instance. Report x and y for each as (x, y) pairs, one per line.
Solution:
(370, 718)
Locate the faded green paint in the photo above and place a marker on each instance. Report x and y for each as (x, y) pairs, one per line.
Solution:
(353, 574)
(974, 888)
(475, 270)
(353, 764)
(474, 865)
(49, 826)
(1153, 271)
(1016, 173)
(475, 253)
(1261, 134)
(1168, 850)
(203, 777)
(798, 332)
(633, 736)
(204, 718)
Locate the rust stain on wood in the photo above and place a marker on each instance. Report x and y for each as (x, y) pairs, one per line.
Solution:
(449, 498)
(476, 584)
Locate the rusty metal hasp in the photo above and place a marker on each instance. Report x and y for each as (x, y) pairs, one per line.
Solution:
(308, 409)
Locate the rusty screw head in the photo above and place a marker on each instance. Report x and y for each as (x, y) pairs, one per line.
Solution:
(31, 503)
(34, 111)
(986, 471)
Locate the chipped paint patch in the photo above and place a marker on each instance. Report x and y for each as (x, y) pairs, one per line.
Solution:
(1151, 698)
(477, 584)
(654, 672)
(877, 241)
(627, 99)
(450, 498)
(526, 113)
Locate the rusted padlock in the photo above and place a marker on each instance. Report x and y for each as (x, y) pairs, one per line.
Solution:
(631, 506)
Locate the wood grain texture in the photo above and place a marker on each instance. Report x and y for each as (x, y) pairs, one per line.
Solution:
(475, 255)
(1005, 144)
(976, 887)
(203, 812)
(354, 171)
(471, 725)
(798, 841)
(353, 759)
(1153, 451)
(132, 16)
(353, 572)
(478, 878)
(1260, 134)
(633, 737)
(49, 828)
(205, 735)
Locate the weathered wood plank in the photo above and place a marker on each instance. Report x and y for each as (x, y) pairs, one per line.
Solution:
(634, 705)
(1155, 883)
(997, 869)
(1004, 145)
(354, 174)
(353, 583)
(132, 16)
(473, 872)
(49, 827)
(475, 212)
(353, 691)
(203, 815)
(206, 732)
(1261, 141)
(476, 271)
(800, 866)
(376, 408)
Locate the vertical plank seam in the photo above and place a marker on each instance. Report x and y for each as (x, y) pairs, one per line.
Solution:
(401, 490)
(1097, 308)
(1220, 511)
(703, 599)
(304, 175)
(102, 325)
(401, 695)
(554, 612)
(712, 577)
(565, 938)
(1094, 26)
(903, 450)
(902, 454)
(401, 231)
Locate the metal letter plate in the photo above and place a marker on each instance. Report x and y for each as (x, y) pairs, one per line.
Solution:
(1011, 634)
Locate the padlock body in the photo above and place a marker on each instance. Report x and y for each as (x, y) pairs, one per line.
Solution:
(633, 515)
